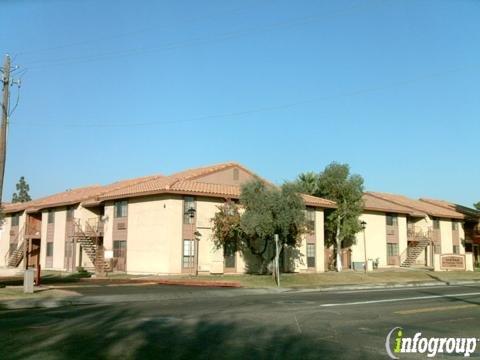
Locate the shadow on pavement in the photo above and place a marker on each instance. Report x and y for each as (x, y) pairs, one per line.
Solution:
(107, 332)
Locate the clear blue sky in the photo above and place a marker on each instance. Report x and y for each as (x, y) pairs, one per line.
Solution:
(118, 89)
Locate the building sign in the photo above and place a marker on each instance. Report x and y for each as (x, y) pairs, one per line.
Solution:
(452, 262)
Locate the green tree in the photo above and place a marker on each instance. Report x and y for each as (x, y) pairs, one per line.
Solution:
(337, 184)
(22, 191)
(477, 205)
(264, 211)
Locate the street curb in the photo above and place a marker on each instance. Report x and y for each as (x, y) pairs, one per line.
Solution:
(202, 283)
(384, 286)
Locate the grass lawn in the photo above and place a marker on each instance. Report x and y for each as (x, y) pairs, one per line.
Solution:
(344, 278)
(14, 293)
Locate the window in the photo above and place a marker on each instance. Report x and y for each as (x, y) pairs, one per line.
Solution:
(436, 224)
(119, 248)
(121, 208)
(15, 219)
(188, 253)
(70, 211)
(229, 255)
(392, 249)
(12, 248)
(454, 225)
(51, 216)
(49, 249)
(189, 208)
(311, 255)
(310, 217)
(437, 249)
(392, 220)
(456, 249)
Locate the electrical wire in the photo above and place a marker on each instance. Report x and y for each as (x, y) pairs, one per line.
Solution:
(39, 64)
(263, 109)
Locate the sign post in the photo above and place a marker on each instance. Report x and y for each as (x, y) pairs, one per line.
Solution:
(277, 255)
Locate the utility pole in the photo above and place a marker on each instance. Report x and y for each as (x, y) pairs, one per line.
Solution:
(3, 127)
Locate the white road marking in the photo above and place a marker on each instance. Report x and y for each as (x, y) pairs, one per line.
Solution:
(401, 299)
(401, 289)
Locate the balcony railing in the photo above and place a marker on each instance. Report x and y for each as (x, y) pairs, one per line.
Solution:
(94, 226)
(417, 233)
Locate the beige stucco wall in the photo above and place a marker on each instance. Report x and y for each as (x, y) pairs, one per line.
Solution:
(320, 240)
(461, 233)
(108, 225)
(43, 240)
(59, 239)
(446, 236)
(4, 241)
(402, 234)
(210, 259)
(5, 237)
(375, 238)
(154, 242)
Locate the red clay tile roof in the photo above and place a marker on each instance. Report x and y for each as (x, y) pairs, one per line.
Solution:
(64, 198)
(376, 203)
(422, 206)
(184, 183)
(318, 202)
(70, 197)
(452, 206)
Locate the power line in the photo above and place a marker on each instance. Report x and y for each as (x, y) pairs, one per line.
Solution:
(128, 33)
(190, 42)
(262, 109)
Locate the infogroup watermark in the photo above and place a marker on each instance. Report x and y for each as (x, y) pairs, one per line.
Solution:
(397, 343)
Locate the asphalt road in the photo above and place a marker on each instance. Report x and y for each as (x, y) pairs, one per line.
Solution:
(172, 322)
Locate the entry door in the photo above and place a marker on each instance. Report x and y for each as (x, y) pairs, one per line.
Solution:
(70, 255)
(476, 254)
(120, 255)
(229, 259)
(34, 253)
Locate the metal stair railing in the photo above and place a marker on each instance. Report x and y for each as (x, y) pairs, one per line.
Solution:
(15, 257)
(423, 239)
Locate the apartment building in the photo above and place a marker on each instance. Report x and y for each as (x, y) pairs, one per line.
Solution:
(400, 231)
(156, 225)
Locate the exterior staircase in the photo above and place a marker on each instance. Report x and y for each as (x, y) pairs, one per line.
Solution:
(15, 257)
(87, 238)
(409, 257)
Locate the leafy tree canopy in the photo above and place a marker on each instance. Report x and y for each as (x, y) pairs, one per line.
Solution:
(264, 210)
(337, 184)
(22, 191)
(477, 205)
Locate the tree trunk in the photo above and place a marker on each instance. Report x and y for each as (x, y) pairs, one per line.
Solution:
(338, 243)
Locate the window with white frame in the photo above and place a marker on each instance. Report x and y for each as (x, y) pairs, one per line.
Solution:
(311, 255)
(392, 220)
(392, 249)
(121, 208)
(51, 216)
(188, 253)
(310, 218)
(15, 219)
